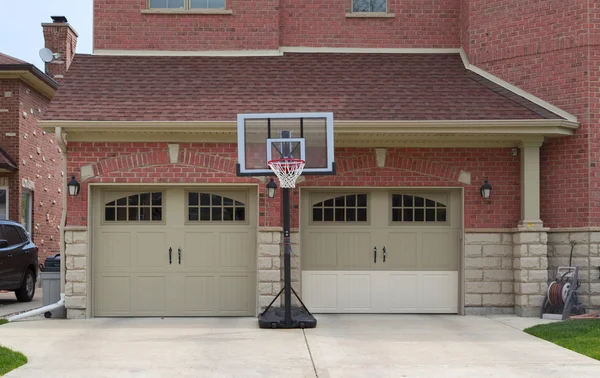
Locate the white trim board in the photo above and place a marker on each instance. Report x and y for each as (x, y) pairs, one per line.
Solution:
(516, 90)
(279, 52)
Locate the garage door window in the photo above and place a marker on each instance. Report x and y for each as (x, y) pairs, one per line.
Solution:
(143, 207)
(407, 208)
(347, 208)
(204, 207)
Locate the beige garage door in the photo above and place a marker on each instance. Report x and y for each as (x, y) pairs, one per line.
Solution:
(174, 252)
(380, 251)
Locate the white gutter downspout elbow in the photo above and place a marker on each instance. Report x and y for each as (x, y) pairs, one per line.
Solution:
(39, 311)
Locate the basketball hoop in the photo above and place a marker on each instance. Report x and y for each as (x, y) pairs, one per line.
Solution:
(287, 170)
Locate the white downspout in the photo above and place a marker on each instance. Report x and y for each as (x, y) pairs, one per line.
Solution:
(39, 311)
(63, 147)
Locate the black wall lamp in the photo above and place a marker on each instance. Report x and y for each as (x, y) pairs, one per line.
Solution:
(271, 187)
(485, 190)
(73, 186)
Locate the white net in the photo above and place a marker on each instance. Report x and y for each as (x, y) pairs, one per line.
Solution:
(287, 171)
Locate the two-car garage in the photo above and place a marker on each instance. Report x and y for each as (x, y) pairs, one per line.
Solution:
(180, 251)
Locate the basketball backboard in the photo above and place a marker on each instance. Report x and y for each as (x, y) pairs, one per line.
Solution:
(264, 137)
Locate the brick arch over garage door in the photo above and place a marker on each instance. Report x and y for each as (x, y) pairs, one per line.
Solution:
(208, 162)
(436, 171)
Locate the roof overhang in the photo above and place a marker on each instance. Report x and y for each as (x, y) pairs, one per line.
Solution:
(448, 133)
(30, 75)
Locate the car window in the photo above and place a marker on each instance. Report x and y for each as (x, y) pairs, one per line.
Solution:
(11, 235)
(1, 233)
(22, 234)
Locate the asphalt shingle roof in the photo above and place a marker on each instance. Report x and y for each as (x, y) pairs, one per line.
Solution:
(352, 86)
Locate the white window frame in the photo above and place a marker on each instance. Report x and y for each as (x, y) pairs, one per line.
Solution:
(387, 8)
(187, 6)
(5, 188)
(29, 223)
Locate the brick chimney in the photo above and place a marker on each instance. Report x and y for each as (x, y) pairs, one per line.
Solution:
(61, 39)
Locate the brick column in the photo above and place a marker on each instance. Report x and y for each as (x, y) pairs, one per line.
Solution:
(76, 286)
(530, 263)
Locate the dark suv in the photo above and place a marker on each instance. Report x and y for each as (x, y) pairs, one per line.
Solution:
(18, 261)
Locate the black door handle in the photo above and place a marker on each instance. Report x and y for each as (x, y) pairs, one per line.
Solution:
(384, 253)
(375, 255)
(170, 251)
(179, 254)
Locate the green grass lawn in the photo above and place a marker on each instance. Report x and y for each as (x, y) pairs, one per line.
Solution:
(581, 336)
(9, 360)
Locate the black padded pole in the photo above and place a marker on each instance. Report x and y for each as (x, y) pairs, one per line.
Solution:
(287, 252)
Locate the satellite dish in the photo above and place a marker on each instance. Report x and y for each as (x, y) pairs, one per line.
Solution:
(46, 55)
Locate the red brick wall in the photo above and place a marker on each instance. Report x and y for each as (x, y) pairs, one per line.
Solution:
(120, 25)
(25, 107)
(268, 24)
(417, 23)
(542, 48)
(43, 168)
(133, 163)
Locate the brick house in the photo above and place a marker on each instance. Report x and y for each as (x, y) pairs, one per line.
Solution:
(430, 99)
(31, 172)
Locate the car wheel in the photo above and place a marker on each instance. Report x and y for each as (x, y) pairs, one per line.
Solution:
(27, 290)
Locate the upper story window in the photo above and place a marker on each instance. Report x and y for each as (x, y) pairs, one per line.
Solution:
(186, 4)
(369, 6)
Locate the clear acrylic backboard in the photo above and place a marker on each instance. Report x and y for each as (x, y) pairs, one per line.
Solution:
(264, 137)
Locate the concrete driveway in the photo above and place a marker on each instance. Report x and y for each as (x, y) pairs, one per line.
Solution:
(342, 346)
(9, 304)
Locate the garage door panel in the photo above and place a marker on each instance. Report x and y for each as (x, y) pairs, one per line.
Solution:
(438, 292)
(233, 295)
(113, 294)
(402, 251)
(234, 250)
(151, 250)
(355, 290)
(401, 292)
(149, 294)
(199, 249)
(321, 291)
(322, 251)
(439, 251)
(115, 250)
(199, 294)
(354, 250)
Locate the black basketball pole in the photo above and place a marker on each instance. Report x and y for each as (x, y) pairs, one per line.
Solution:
(287, 255)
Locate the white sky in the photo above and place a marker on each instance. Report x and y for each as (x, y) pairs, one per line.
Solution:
(21, 31)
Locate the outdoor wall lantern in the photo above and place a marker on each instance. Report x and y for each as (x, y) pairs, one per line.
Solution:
(271, 186)
(73, 186)
(485, 190)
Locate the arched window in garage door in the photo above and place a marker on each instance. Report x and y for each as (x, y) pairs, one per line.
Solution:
(341, 208)
(143, 207)
(204, 207)
(408, 208)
